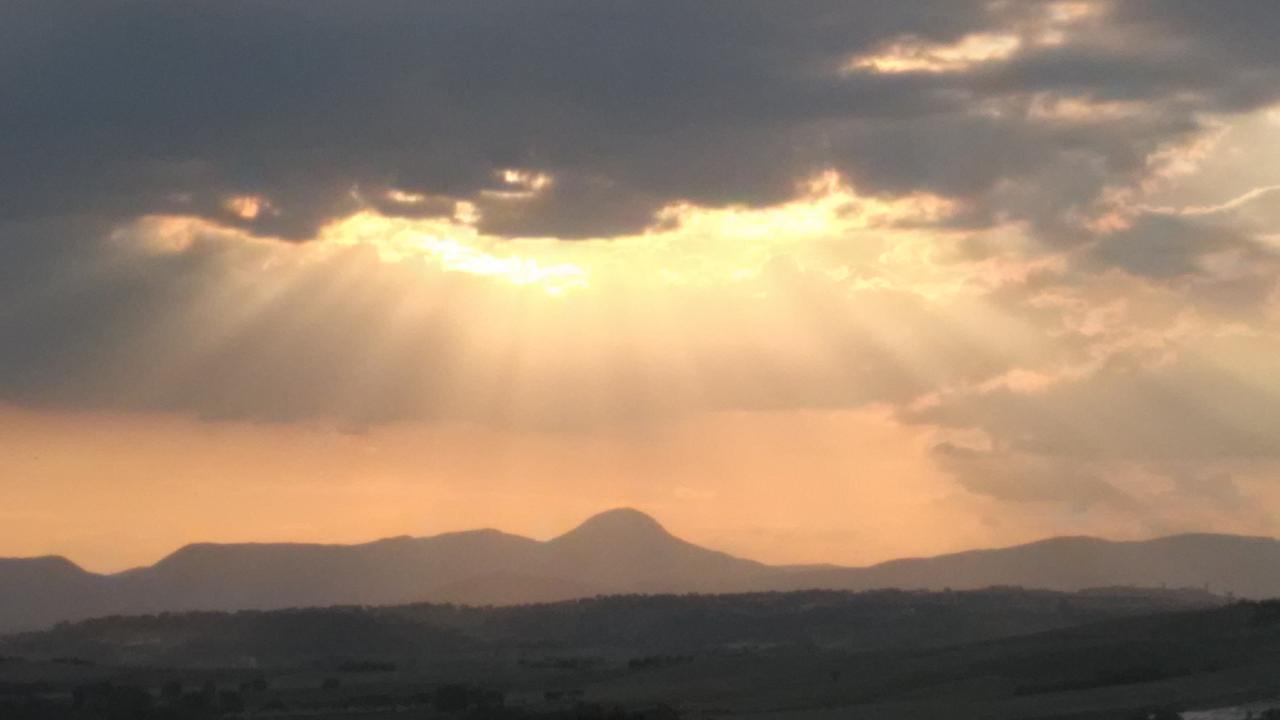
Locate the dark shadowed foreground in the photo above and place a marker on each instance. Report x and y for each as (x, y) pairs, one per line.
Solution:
(996, 653)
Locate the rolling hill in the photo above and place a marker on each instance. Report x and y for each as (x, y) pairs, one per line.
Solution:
(619, 551)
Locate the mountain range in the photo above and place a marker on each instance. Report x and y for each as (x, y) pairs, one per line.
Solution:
(615, 552)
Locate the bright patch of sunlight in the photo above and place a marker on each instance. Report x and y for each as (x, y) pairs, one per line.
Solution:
(829, 225)
(912, 54)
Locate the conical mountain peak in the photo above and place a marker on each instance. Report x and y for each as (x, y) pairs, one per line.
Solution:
(621, 525)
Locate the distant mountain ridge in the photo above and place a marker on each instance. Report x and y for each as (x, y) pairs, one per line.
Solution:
(619, 551)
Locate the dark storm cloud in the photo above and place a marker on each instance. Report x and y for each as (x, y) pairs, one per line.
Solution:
(123, 108)
(120, 108)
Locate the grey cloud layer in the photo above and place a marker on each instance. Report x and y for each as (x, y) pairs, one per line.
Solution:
(113, 110)
(123, 108)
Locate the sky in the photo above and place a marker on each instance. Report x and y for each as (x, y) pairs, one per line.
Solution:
(809, 282)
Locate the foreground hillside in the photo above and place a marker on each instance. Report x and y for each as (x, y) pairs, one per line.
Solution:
(617, 626)
(999, 653)
(617, 552)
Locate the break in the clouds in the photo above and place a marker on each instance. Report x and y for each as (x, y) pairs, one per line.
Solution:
(1047, 231)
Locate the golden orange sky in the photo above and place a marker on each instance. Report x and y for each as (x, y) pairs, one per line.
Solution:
(115, 491)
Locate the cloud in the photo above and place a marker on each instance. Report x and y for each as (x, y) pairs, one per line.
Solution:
(1018, 478)
(1025, 233)
(627, 108)
(176, 314)
(175, 109)
(1165, 246)
(1193, 409)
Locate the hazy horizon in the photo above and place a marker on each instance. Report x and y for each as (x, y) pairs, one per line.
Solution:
(545, 538)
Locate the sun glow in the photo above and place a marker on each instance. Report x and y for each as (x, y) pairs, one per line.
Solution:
(636, 326)
(687, 245)
(911, 54)
(869, 240)
(455, 246)
(246, 207)
(1048, 25)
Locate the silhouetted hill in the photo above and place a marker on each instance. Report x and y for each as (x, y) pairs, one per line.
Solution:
(35, 592)
(627, 551)
(620, 551)
(396, 570)
(1245, 566)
